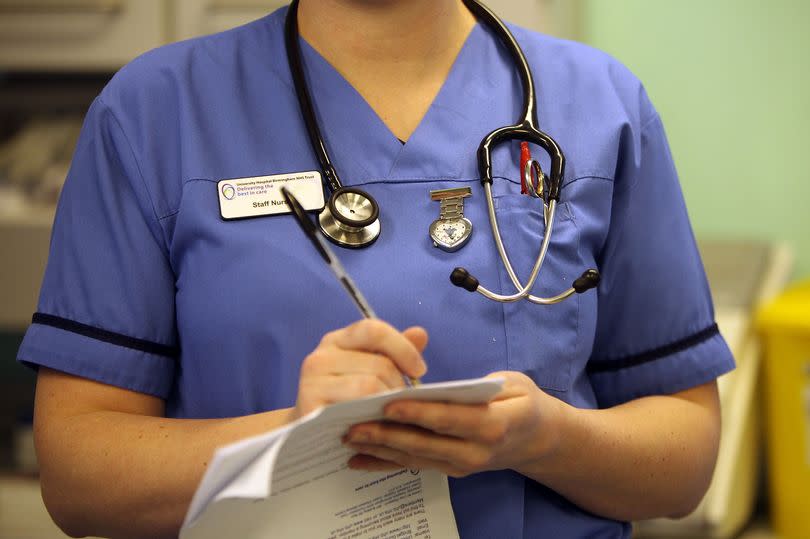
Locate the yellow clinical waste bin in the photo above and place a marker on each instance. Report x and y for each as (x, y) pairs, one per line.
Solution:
(785, 327)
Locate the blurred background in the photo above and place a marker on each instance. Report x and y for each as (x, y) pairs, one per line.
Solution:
(731, 80)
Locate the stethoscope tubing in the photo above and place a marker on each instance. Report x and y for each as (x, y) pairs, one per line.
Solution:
(491, 20)
(293, 45)
(525, 130)
(523, 291)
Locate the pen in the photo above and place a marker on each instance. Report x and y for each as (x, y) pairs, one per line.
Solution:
(311, 232)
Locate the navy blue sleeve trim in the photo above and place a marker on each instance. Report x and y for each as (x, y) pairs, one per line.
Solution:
(106, 336)
(612, 365)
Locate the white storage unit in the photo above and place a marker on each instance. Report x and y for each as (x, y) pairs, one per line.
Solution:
(83, 35)
(103, 35)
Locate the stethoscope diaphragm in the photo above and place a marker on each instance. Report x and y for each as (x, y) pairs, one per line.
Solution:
(351, 218)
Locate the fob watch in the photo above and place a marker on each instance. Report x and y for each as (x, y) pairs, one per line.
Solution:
(451, 231)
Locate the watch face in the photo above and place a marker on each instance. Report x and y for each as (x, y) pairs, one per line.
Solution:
(450, 234)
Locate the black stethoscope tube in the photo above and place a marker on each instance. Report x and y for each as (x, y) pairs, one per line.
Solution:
(305, 99)
(354, 231)
(527, 129)
(351, 216)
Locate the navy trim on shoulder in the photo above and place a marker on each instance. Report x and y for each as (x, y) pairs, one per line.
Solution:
(106, 336)
(612, 365)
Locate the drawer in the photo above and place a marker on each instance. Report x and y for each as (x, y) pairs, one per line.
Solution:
(89, 35)
(200, 17)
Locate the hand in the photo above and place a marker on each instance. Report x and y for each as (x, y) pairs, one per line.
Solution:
(514, 430)
(364, 358)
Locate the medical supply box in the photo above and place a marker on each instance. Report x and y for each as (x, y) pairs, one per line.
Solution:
(785, 328)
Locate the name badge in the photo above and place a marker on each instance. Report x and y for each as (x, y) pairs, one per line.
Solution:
(255, 197)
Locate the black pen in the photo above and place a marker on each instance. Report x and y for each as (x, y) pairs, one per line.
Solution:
(322, 246)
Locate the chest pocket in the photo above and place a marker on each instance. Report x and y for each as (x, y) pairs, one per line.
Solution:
(541, 339)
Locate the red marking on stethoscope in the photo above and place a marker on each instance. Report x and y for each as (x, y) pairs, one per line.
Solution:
(525, 157)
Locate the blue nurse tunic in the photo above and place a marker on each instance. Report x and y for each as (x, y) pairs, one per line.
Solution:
(148, 289)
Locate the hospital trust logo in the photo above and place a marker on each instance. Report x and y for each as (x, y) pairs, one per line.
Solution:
(228, 191)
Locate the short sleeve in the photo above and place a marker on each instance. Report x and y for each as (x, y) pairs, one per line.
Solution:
(106, 307)
(655, 331)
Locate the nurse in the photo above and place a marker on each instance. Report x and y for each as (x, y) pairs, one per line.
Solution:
(164, 330)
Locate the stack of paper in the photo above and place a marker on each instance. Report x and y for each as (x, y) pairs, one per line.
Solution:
(294, 481)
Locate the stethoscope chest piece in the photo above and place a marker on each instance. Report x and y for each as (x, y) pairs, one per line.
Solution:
(351, 218)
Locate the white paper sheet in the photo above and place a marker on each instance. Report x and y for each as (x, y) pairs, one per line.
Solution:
(294, 481)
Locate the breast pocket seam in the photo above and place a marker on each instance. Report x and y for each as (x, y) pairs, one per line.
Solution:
(562, 383)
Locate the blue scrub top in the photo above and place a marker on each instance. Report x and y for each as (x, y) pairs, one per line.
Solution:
(148, 289)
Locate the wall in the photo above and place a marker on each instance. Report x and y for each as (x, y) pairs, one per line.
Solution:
(731, 80)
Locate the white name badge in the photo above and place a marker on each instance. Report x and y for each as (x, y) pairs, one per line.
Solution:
(254, 197)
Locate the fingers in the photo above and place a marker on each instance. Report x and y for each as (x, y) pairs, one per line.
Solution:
(365, 358)
(331, 361)
(457, 439)
(516, 384)
(467, 421)
(418, 337)
(415, 448)
(371, 464)
(379, 458)
(378, 337)
(324, 390)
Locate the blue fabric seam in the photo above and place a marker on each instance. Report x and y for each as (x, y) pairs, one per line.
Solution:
(163, 240)
(177, 210)
(655, 118)
(403, 182)
(425, 179)
(170, 214)
(587, 177)
(620, 395)
(578, 298)
(132, 153)
(619, 189)
(150, 388)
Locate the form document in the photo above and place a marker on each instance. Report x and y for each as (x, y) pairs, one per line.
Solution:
(295, 482)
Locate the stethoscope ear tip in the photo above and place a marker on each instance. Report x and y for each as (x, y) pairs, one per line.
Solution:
(589, 279)
(462, 278)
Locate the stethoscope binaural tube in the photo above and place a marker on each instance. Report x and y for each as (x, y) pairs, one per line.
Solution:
(351, 216)
(525, 130)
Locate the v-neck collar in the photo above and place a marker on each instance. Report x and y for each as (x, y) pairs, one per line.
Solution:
(363, 148)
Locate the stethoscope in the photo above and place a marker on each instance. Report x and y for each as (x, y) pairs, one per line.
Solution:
(351, 216)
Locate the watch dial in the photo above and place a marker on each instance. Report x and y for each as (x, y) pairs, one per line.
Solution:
(450, 234)
(452, 230)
